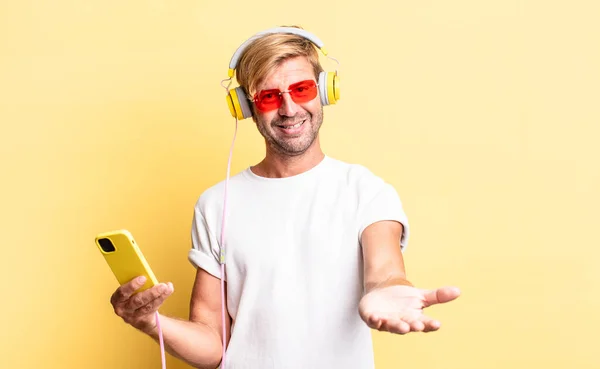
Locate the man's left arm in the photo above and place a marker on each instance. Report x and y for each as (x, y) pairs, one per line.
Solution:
(391, 303)
(383, 260)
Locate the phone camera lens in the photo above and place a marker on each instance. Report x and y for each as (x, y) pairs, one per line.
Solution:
(106, 245)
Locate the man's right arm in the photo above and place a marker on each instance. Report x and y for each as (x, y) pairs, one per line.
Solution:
(197, 341)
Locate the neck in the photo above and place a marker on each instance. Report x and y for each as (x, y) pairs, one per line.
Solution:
(278, 165)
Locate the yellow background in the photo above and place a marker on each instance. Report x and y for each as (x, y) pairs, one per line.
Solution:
(483, 114)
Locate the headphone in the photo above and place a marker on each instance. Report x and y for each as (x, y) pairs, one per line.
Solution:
(328, 82)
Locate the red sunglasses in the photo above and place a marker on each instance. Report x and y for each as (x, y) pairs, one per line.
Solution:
(300, 92)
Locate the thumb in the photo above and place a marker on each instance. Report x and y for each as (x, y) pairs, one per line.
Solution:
(440, 295)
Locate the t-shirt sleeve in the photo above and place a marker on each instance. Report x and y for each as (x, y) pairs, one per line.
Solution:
(382, 202)
(205, 251)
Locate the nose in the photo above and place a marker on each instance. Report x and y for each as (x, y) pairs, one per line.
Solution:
(288, 107)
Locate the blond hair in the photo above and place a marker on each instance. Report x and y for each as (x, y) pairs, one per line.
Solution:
(268, 52)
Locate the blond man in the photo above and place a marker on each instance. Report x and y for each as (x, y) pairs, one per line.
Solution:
(314, 245)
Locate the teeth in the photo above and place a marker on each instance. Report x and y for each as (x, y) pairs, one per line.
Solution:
(294, 126)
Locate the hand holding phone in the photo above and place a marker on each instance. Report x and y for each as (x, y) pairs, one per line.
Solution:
(138, 309)
(139, 295)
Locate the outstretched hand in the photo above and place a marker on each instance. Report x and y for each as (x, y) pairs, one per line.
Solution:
(399, 309)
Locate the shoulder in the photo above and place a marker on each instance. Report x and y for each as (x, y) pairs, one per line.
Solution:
(355, 174)
(212, 197)
(364, 185)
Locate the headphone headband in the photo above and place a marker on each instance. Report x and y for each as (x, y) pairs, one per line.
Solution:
(292, 30)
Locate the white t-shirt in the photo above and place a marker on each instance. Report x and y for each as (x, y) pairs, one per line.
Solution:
(293, 263)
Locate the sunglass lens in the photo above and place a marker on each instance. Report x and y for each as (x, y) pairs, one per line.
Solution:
(268, 100)
(303, 91)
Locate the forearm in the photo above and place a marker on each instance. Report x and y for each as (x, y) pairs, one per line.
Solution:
(195, 343)
(383, 261)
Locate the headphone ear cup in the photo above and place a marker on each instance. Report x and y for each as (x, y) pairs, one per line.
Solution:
(323, 90)
(333, 87)
(239, 106)
(329, 88)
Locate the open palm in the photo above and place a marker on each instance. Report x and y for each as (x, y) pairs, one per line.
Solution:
(399, 309)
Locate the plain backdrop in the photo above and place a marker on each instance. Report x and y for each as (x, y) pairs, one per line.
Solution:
(482, 114)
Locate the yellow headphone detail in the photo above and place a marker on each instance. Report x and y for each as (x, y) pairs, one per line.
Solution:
(237, 100)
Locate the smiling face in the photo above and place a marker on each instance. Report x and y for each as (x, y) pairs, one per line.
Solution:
(293, 128)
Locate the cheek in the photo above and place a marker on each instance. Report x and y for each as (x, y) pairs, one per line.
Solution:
(312, 107)
(264, 119)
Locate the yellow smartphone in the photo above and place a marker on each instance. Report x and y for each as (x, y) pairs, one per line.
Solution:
(125, 258)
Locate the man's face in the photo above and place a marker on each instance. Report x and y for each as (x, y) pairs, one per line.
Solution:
(293, 127)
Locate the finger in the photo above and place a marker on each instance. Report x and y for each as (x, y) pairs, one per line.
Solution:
(374, 322)
(395, 326)
(430, 325)
(124, 292)
(147, 296)
(152, 305)
(440, 295)
(416, 326)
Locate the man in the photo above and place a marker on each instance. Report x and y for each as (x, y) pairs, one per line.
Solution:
(313, 249)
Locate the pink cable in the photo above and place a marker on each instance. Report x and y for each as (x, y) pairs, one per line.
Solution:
(160, 338)
(222, 260)
(223, 248)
